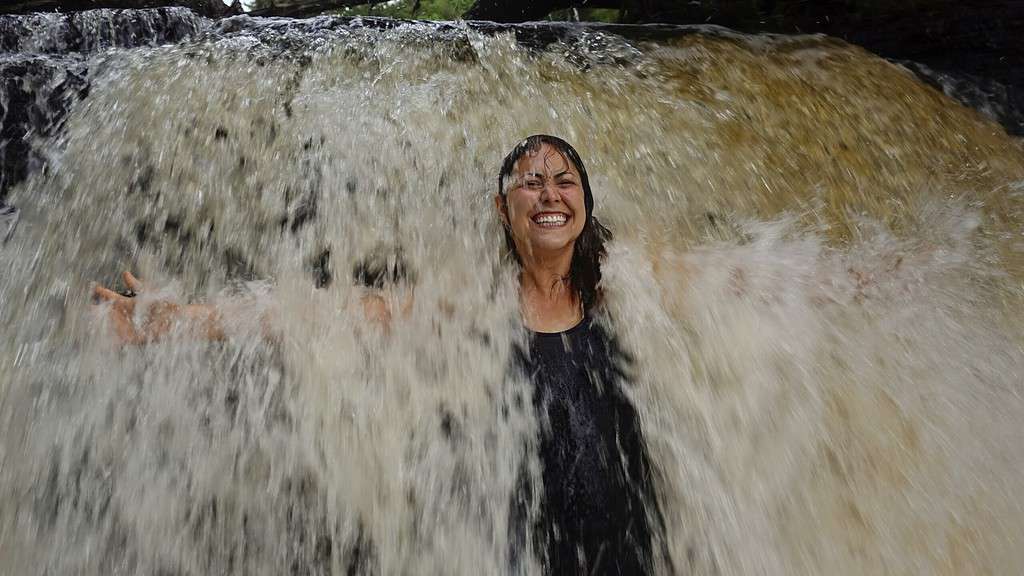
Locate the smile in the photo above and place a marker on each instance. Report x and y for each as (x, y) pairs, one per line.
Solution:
(550, 219)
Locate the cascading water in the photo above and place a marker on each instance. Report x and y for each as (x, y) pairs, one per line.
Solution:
(818, 269)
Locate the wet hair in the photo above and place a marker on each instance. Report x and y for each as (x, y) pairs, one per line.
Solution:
(382, 267)
(589, 249)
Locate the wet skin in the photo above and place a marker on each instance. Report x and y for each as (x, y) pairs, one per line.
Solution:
(543, 208)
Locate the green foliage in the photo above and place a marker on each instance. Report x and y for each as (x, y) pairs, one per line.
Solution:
(454, 9)
(412, 9)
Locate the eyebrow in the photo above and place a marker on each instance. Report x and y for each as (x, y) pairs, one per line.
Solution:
(539, 175)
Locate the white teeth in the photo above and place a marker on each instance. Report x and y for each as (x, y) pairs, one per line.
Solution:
(550, 219)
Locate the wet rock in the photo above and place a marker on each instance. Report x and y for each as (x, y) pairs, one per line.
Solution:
(36, 92)
(94, 30)
(8, 222)
(44, 70)
(994, 99)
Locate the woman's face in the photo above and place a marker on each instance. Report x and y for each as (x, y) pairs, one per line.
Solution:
(544, 206)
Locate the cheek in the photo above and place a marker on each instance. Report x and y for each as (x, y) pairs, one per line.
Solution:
(518, 209)
(579, 207)
(577, 228)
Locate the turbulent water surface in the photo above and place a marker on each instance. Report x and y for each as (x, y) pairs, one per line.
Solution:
(818, 266)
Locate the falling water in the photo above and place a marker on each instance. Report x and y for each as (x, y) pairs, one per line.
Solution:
(818, 266)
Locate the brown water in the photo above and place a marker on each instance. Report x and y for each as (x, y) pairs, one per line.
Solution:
(818, 264)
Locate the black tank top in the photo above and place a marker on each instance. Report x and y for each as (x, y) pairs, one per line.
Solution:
(597, 488)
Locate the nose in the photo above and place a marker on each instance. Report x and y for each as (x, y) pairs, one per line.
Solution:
(550, 192)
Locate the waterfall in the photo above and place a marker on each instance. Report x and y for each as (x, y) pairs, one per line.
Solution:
(818, 268)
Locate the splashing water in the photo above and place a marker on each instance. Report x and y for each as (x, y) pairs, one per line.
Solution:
(818, 266)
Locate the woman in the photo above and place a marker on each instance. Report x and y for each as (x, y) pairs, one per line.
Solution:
(596, 478)
(596, 502)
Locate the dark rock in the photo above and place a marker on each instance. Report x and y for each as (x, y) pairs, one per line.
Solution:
(8, 222)
(994, 99)
(94, 30)
(36, 92)
(209, 8)
(44, 70)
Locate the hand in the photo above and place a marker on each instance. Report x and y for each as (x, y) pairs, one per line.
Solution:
(160, 316)
(378, 306)
(376, 309)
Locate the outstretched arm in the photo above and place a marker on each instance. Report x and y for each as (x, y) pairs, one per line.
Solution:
(378, 305)
(202, 320)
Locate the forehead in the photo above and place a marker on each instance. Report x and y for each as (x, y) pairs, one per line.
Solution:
(545, 160)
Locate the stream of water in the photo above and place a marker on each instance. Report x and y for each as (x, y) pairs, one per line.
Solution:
(818, 267)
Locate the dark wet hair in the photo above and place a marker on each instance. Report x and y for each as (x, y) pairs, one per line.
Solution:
(382, 267)
(589, 249)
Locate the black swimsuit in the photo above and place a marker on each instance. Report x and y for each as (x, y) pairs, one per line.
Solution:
(594, 465)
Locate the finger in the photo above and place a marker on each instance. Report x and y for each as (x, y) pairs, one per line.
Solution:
(131, 281)
(106, 294)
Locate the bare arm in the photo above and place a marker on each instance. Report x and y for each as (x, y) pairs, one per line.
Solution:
(202, 320)
(207, 322)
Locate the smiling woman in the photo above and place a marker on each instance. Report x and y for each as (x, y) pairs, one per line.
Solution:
(596, 499)
(594, 504)
(546, 207)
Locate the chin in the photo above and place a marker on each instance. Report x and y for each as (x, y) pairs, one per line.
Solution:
(548, 244)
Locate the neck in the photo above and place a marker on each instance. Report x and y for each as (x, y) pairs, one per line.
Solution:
(545, 274)
(549, 304)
